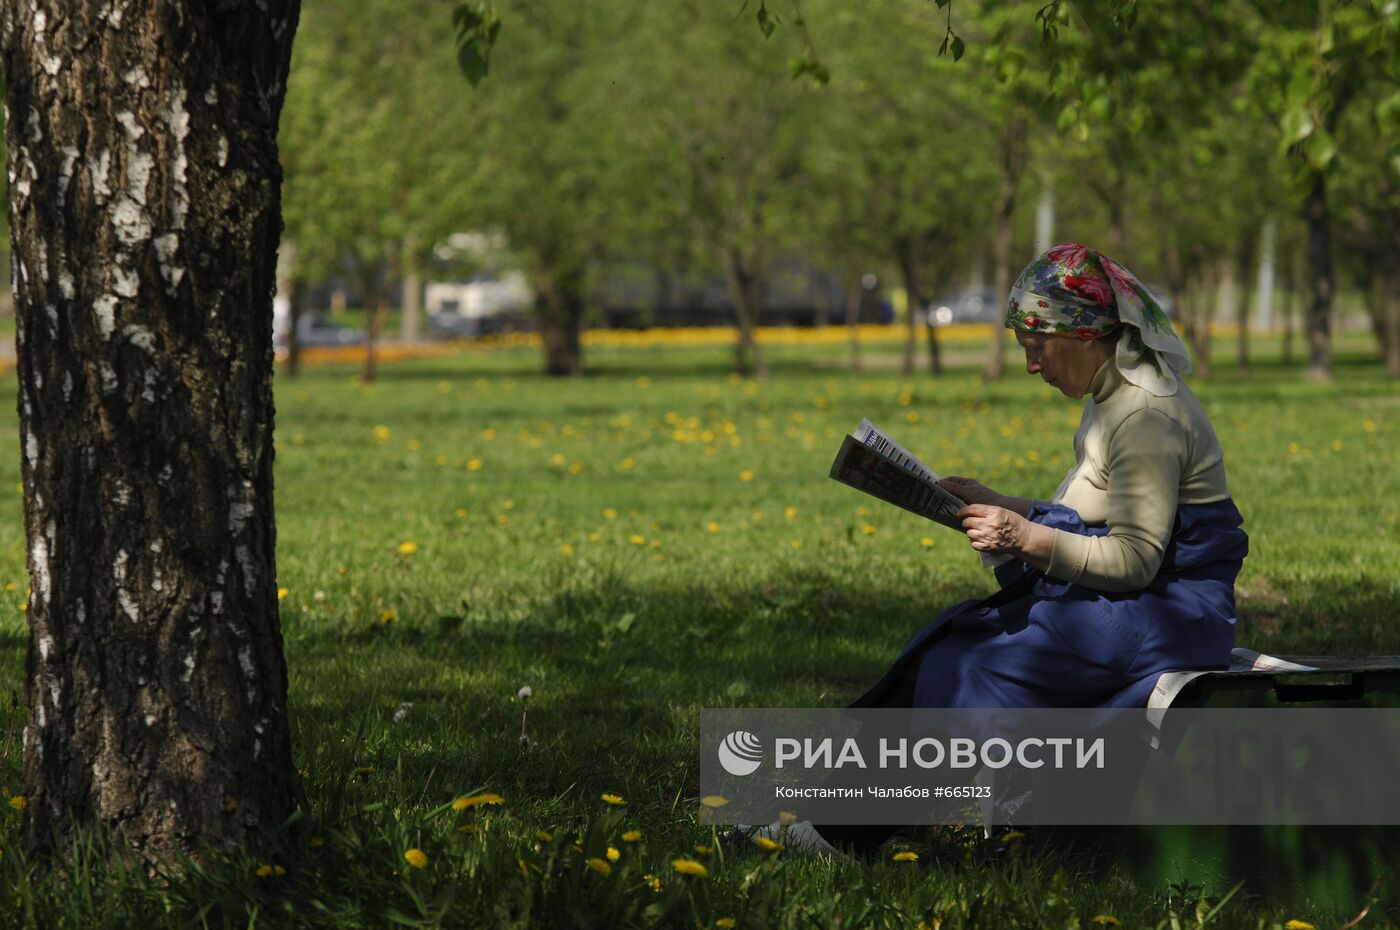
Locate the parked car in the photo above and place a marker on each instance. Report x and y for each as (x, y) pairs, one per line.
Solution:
(969, 305)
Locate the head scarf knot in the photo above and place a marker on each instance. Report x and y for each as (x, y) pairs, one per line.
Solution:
(1075, 291)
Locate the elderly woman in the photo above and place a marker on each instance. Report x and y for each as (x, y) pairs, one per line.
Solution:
(1129, 570)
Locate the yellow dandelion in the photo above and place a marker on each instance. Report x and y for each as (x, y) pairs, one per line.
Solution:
(507, 505)
(712, 526)
(714, 800)
(575, 467)
(460, 513)
(690, 867)
(544, 836)
(416, 858)
(926, 541)
(19, 802)
(790, 513)
(653, 882)
(1012, 836)
(726, 922)
(867, 530)
(11, 586)
(1368, 425)
(414, 445)
(627, 463)
(282, 594)
(613, 854)
(601, 866)
(1292, 925)
(269, 871)
(746, 475)
(637, 539)
(905, 856)
(388, 615)
(473, 464)
(476, 800)
(407, 548)
(766, 844)
(1108, 920)
(609, 513)
(502, 520)
(614, 799)
(631, 836)
(702, 849)
(557, 459)
(566, 549)
(316, 842)
(381, 433)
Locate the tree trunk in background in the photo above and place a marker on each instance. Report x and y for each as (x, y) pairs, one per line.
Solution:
(854, 297)
(1013, 145)
(1242, 367)
(746, 288)
(145, 212)
(560, 301)
(1202, 293)
(375, 312)
(287, 286)
(1383, 306)
(906, 254)
(412, 290)
(298, 309)
(1321, 282)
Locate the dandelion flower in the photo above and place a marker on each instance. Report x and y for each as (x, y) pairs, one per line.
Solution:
(905, 856)
(790, 513)
(614, 799)
(601, 866)
(637, 539)
(19, 802)
(926, 541)
(1292, 925)
(381, 433)
(282, 594)
(416, 858)
(867, 530)
(690, 867)
(746, 475)
(712, 526)
(766, 844)
(407, 547)
(476, 800)
(702, 849)
(389, 615)
(726, 922)
(613, 854)
(544, 836)
(609, 513)
(566, 549)
(269, 871)
(1108, 920)
(460, 513)
(631, 836)
(714, 800)
(653, 882)
(473, 464)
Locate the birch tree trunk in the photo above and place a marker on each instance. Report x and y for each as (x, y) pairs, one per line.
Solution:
(145, 216)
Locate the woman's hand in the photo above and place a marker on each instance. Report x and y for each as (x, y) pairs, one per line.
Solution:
(970, 490)
(995, 529)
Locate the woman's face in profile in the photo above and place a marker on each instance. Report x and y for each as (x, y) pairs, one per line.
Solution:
(1063, 362)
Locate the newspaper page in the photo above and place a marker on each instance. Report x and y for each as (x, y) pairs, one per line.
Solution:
(861, 467)
(872, 437)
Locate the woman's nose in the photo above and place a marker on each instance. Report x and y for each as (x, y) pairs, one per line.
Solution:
(1032, 365)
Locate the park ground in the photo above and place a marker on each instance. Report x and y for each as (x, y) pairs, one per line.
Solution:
(655, 538)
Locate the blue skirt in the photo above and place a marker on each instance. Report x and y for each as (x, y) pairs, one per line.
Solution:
(1039, 642)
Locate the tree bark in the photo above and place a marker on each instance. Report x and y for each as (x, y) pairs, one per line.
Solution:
(1321, 281)
(559, 297)
(905, 253)
(1013, 146)
(145, 218)
(412, 290)
(746, 288)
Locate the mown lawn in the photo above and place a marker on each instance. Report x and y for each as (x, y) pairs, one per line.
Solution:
(652, 539)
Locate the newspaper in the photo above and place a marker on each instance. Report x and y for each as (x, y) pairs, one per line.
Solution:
(1171, 684)
(871, 461)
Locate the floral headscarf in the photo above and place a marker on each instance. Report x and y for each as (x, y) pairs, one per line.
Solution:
(1077, 292)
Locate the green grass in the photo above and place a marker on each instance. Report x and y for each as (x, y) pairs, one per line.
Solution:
(782, 589)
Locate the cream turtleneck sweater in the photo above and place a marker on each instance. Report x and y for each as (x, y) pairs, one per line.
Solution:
(1137, 456)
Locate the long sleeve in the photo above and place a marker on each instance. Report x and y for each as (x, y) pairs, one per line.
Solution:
(1144, 462)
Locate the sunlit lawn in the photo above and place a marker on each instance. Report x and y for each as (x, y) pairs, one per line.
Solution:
(660, 537)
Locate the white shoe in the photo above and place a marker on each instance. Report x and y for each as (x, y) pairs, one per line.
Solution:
(800, 837)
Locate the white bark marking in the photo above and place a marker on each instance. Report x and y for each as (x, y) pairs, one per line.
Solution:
(31, 450)
(170, 273)
(67, 387)
(211, 96)
(65, 170)
(109, 377)
(52, 313)
(140, 336)
(137, 76)
(240, 507)
(65, 285)
(189, 668)
(97, 170)
(223, 151)
(106, 309)
(250, 671)
(130, 222)
(39, 555)
(177, 117)
(125, 282)
(245, 562)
